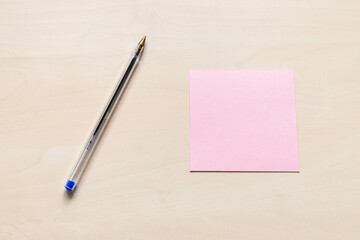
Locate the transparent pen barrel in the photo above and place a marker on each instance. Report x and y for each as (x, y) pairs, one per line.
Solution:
(100, 126)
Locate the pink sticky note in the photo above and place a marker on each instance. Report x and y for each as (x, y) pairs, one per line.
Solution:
(243, 120)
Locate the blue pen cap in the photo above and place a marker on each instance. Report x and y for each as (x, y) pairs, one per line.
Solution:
(70, 185)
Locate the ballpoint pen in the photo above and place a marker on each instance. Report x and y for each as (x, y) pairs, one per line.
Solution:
(98, 130)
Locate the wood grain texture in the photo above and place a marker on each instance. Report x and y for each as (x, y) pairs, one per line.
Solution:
(59, 61)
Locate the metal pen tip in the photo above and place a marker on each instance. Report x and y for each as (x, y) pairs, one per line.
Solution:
(142, 41)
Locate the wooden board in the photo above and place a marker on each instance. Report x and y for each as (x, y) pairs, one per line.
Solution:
(59, 63)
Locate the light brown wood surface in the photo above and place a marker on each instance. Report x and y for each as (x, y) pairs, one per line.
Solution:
(59, 62)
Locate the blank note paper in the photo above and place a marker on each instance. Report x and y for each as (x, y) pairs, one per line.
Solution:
(243, 120)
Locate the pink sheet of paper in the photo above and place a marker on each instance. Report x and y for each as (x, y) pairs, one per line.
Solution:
(243, 120)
